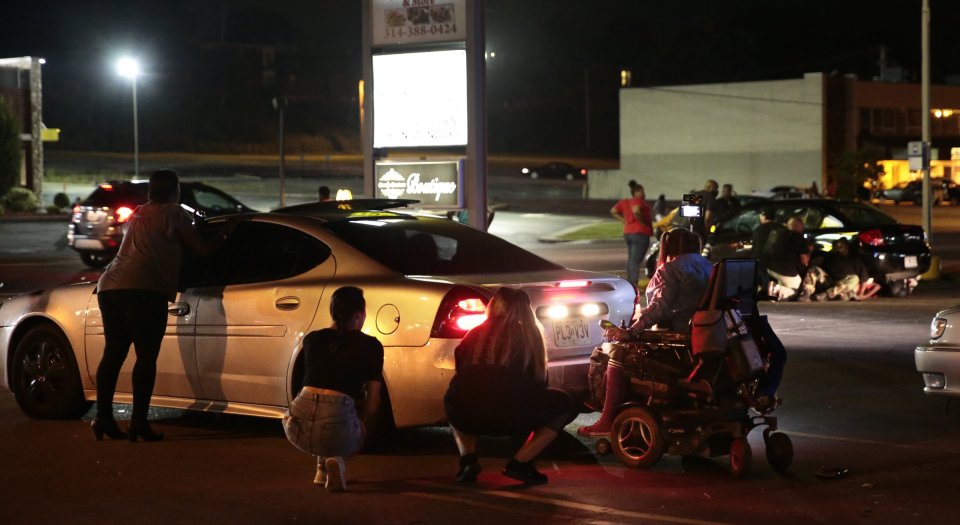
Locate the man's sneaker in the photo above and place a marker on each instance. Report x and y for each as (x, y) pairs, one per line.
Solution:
(336, 480)
(524, 472)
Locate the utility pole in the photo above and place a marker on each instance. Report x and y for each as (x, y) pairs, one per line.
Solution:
(925, 115)
(279, 104)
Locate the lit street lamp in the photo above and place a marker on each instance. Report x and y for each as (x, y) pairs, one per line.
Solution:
(130, 68)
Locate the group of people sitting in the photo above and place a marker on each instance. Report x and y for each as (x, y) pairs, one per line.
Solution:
(786, 256)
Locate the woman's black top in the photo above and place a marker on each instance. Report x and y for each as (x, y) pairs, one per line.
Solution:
(342, 360)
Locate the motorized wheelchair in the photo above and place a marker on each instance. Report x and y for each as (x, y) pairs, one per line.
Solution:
(689, 397)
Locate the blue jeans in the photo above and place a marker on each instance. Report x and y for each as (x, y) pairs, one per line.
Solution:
(324, 425)
(637, 244)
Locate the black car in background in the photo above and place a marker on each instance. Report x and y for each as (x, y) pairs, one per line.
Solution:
(96, 227)
(555, 170)
(941, 190)
(893, 253)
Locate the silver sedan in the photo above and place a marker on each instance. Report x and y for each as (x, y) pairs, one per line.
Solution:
(234, 334)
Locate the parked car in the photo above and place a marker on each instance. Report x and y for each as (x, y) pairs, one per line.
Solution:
(895, 254)
(912, 191)
(96, 227)
(939, 360)
(555, 170)
(234, 333)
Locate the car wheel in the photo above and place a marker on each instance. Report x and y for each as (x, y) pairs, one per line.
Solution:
(779, 451)
(96, 259)
(741, 457)
(45, 378)
(637, 438)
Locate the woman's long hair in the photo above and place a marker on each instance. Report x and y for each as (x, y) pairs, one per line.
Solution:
(510, 336)
(677, 242)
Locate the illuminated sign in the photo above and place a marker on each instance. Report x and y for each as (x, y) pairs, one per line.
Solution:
(435, 184)
(420, 99)
(418, 21)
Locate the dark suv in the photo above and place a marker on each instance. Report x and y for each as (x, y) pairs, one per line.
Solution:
(96, 227)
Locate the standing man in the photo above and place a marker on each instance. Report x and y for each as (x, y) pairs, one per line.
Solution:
(637, 228)
(701, 226)
(726, 203)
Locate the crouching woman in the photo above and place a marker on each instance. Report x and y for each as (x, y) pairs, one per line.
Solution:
(343, 371)
(500, 389)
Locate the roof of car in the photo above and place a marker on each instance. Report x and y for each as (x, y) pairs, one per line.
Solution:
(347, 209)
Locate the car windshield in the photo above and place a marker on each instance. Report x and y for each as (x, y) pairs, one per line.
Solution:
(860, 215)
(416, 246)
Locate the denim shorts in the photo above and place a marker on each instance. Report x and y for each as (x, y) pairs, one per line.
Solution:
(324, 425)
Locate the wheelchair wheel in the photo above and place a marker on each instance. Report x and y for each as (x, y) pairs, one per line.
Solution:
(779, 451)
(637, 438)
(741, 457)
(602, 446)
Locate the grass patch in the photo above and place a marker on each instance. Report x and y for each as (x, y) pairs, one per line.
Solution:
(604, 230)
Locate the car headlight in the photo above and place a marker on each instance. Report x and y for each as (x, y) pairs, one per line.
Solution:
(937, 327)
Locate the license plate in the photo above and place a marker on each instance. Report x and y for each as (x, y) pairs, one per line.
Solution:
(574, 332)
(910, 261)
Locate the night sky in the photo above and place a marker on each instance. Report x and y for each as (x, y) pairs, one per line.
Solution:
(203, 86)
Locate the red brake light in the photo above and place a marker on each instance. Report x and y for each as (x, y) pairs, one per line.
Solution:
(872, 238)
(107, 187)
(460, 311)
(123, 213)
(583, 172)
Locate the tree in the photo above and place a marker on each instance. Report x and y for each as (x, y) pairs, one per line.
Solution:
(854, 168)
(9, 147)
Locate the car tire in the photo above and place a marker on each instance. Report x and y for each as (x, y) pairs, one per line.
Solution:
(45, 378)
(637, 437)
(96, 259)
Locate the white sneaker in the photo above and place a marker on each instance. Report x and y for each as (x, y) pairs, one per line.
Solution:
(336, 475)
(321, 477)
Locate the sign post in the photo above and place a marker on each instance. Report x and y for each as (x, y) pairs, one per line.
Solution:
(422, 93)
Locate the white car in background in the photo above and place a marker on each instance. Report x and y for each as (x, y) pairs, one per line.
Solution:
(234, 334)
(939, 360)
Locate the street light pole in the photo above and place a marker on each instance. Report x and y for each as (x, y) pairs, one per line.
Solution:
(130, 68)
(280, 103)
(925, 118)
(136, 134)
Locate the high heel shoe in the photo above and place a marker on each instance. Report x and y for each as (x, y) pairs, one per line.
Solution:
(143, 430)
(106, 427)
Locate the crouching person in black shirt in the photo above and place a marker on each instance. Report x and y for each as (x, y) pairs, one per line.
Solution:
(343, 371)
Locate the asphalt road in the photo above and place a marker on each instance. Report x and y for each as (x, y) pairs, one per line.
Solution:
(852, 400)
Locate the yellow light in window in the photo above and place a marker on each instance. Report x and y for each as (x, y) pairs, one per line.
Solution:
(947, 113)
(937, 113)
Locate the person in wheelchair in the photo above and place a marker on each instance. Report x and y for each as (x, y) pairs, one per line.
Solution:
(673, 295)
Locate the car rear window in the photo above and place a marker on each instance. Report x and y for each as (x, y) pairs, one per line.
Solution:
(426, 246)
(860, 215)
(117, 194)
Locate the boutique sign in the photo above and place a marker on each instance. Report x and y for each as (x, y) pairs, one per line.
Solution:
(435, 184)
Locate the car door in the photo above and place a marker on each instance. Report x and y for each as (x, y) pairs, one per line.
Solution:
(176, 363)
(257, 299)
(732, 236)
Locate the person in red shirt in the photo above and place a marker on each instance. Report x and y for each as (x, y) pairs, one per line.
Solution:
(637, 221)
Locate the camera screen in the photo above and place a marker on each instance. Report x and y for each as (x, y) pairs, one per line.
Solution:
(688, 210)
